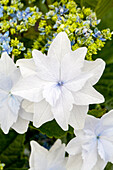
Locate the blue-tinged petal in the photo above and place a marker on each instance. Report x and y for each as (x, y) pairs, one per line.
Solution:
(14, 103)
(7, 117)
(51, 93)
(61, 110)
(105, 149)
(5, 83)
(3, 97)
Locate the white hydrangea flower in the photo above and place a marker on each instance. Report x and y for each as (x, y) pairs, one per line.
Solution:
(11, 113)
(60, 85)
(92, 148)
(42, 159)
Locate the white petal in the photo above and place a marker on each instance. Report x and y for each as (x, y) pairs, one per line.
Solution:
(105, 149)
(47, 67)
(58, 166)
(74, 162)
(14, 104)
(100, 164)
(27, 67)
(28, 106)
(56, 155)
(74, 147)
(62, 108)
(15, 76)
(5, 83)
(3, 97)
(60, 46)
(7, 117)
(89, 156)
(42, 113)
(25, 115)
(88, 95)
(96, 68)
(51, 93)
(78, 116)
(38, 157)
(72, 63)
(21, 125)
(29, 88)
(91, 123)
(77, 83)
(107, 119)
(107, 133)
(7, 65)
(56, 145)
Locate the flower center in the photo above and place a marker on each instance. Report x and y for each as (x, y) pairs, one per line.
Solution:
(98, 137)
(10, 94)
(60, 83)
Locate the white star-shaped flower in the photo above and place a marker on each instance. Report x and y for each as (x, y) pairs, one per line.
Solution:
(42, 159)
(92, 148)
(11, 113)
(60, 85)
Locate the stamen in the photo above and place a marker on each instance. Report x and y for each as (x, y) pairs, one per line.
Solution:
(60, 83)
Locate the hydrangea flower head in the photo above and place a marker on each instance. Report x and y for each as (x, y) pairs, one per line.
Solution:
(42, 159)
(92, 148)
(60, 84)
(11, 113)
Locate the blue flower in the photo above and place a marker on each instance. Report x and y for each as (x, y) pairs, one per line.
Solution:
(86, 32)
(26, 14)
(1, 11)
(19, 15)
(78, 19)
(6, 48)
(61, 10)
(72, 42)
(5, 37)
(13, 21)
(97, 34)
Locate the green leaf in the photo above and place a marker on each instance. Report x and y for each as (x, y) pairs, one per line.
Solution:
(109, 166)
(52, 129)
(107, 52)
(99, 6)
(89, 3)
(11, 150)
(105, 86)
(97, 112)
(102, 7)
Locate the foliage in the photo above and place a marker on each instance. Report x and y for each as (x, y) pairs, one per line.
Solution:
(52, 129)
(11, 150)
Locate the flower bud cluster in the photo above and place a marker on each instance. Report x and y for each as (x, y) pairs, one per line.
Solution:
(81, 25)
(13, 22)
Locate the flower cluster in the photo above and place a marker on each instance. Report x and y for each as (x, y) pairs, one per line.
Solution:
(79, 24)
(13, 21)
(10, 45)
